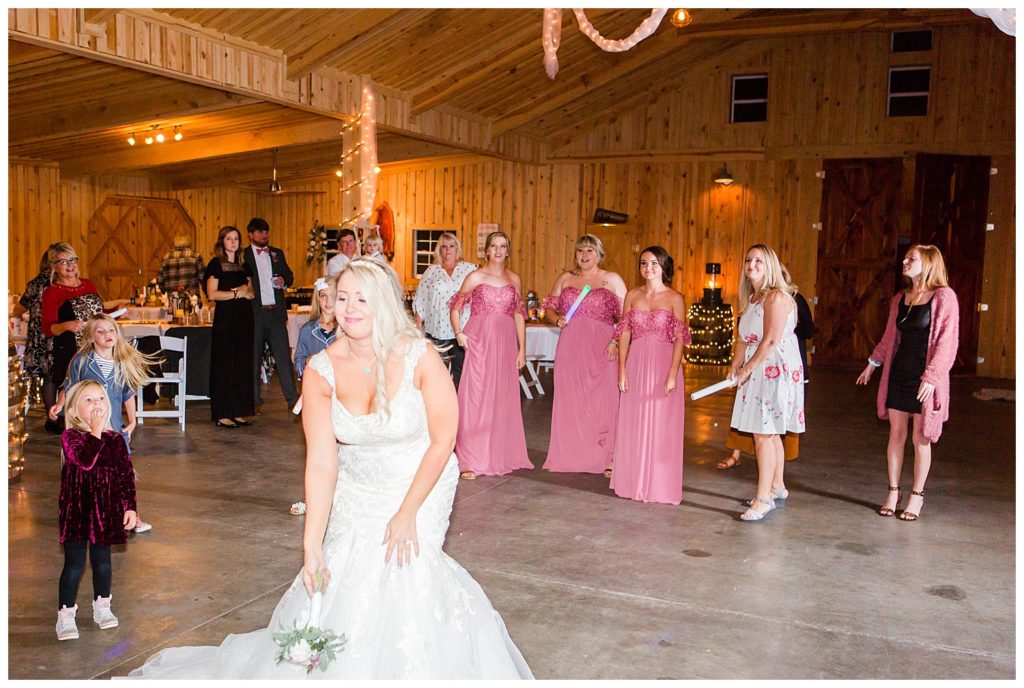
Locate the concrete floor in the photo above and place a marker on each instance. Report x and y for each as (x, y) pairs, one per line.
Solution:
(591, 586)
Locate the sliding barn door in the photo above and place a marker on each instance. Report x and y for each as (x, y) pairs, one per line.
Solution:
(856, 250)
(950, 208)
(127, 238)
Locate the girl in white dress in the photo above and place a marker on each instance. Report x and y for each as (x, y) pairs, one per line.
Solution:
(378, 507)
(768, 372)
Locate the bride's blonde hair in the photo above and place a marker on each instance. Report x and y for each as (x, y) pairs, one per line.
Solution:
(379, 286)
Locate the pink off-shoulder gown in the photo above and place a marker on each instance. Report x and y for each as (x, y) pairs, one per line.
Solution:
(649, 435)
(586, 400)
(491, 439)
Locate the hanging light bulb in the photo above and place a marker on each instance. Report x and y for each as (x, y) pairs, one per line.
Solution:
(131, 139)
(177, 134)
(275, 186)
(723, 177)
(160, 136)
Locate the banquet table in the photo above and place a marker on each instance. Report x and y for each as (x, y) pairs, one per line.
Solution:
(200, 338)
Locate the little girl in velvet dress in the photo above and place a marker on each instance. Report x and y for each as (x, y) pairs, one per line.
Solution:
(96, 503)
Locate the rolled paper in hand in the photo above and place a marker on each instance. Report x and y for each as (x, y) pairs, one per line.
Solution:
(297, 409)
(717, 387)
(118, 313)
(576, 303)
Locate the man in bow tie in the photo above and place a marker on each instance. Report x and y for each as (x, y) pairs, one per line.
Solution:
(271, 276)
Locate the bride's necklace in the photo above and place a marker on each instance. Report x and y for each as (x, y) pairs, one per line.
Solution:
(367, 367)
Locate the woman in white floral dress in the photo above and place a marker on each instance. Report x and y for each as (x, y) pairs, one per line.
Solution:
(378, 510)
(768, 372)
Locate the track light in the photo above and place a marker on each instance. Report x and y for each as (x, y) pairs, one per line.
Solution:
(177, 134)
(131, 139)
(149, 139)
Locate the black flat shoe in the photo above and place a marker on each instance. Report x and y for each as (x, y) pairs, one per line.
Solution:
(224, 425)
(243, 423)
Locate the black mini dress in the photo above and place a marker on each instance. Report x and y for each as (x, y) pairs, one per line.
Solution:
(908, 363)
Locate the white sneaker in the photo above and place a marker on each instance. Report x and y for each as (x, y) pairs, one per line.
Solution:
(67, 629)
(101, 613)
(142, 526)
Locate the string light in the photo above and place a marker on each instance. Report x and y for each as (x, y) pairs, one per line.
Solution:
(711, 329)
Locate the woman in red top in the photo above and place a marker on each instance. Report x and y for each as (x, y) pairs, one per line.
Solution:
(68, 303)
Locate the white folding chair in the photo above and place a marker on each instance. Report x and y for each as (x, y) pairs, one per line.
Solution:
(534, 381)
(168, 378)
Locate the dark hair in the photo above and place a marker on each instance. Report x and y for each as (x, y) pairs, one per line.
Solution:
(257, 224)
(346, 232)
(668, 266)
(218, 248)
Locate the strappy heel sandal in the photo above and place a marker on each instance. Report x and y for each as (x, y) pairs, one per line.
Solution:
(887, 512)
(777, 496)
(910, 515)
(467, 475)
(753, 514)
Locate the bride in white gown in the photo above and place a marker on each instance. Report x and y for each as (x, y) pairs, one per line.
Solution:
(378, 506)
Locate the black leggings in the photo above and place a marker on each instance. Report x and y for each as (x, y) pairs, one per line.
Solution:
(74, 567)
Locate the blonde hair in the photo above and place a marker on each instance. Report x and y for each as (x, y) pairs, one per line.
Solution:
(331, 289)
(375, 238)
(490, 240)
(53, 254)
(933, 267)
(182, 241)
(71, 418)
(776, 278)
(450, 238)
(131, 366)
(380, 287)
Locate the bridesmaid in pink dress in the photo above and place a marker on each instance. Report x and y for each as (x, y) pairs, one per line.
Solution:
(649, 438)
(586, 397)
(491, 439)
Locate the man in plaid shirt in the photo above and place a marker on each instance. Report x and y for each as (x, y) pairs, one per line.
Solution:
(181, 268)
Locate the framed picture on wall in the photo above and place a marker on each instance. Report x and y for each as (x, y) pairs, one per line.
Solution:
(482, 230)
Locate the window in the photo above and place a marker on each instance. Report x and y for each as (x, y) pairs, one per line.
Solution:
(911, 41)
(908, 91)
(749, 98)
(424, 241)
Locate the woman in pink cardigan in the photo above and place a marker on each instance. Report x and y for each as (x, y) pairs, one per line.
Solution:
(915, 354)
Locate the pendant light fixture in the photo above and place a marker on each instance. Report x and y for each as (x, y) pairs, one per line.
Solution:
(275, 186)
(723, 177)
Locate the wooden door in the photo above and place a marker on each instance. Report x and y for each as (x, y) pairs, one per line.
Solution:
(620, 250)
(127, 238)
(950, 208)
(856, 250)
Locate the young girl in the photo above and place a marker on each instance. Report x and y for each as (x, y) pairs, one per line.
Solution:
(106, 357)
(96, 503)
(317, 334)
(373, 246)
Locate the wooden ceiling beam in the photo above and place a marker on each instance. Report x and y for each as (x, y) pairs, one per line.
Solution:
(377, 37)
(334, 39)
(578, 84)
(103, 110)
(826, 21)
(325, 131)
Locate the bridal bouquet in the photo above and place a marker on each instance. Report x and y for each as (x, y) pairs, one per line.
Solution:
(310, 647)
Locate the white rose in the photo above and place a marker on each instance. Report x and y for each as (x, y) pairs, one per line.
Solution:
(300, 652)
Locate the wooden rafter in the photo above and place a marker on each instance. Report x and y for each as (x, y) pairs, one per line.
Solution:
(657, 46)
(334, 39)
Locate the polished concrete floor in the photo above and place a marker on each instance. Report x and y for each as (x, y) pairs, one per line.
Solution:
(591, 586)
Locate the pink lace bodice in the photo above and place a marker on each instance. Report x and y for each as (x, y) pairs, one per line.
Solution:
(660, 323)
(600, 304)
(504, 300)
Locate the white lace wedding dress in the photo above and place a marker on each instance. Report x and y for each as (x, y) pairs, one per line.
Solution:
(427, 620)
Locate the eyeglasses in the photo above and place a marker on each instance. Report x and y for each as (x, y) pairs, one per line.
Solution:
(64, 262)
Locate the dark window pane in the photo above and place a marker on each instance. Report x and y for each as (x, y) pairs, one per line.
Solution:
(750, 112)
(908, 106)
(909, 80)
(750, 89)
(911, 41)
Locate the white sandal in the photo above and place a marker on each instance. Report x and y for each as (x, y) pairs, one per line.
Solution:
(753, 514)
(298, 509)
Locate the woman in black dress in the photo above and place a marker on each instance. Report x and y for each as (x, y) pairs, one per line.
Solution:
(229, 283)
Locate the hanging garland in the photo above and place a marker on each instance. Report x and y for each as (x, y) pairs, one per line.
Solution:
(316, 250)
(551, 35)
